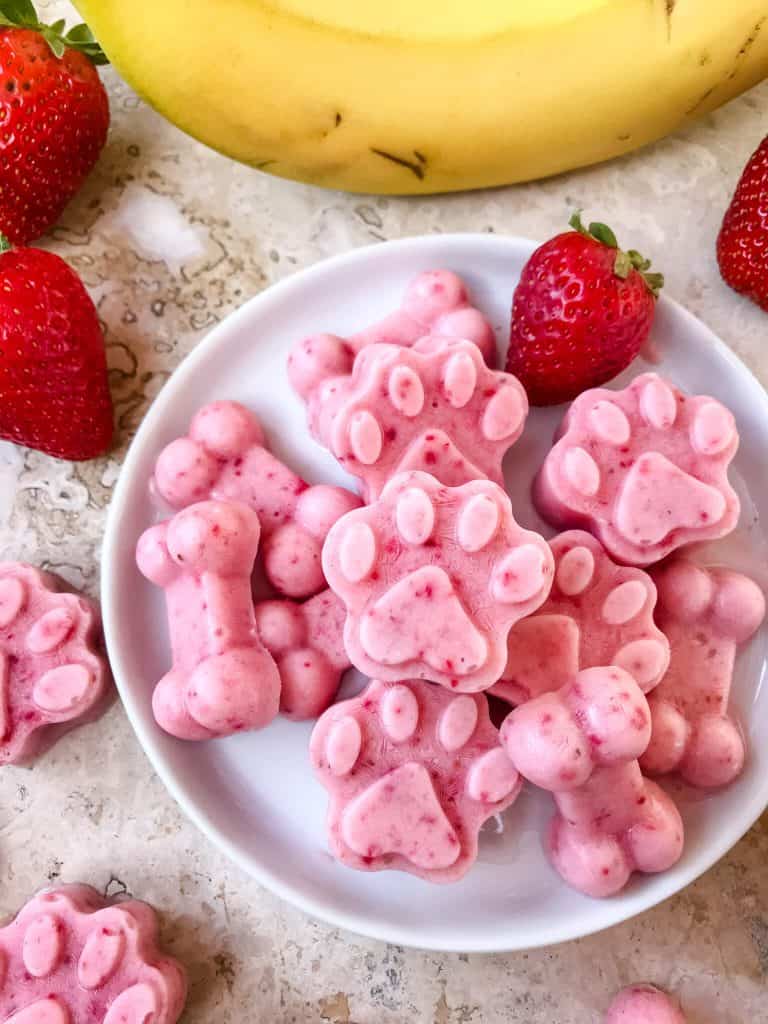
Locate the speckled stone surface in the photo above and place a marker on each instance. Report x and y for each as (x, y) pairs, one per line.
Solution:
(169, 238)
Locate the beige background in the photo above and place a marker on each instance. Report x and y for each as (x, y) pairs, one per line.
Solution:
(170, 237)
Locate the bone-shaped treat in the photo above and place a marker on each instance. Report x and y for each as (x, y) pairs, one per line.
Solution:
(435, 302)
(224, 457)
(223, 680)
(307, 643)
(582, 744)
(706, 614)
(644, 1004)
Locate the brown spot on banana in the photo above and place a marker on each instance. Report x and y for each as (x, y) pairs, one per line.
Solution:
(416, 166)
(747, 45)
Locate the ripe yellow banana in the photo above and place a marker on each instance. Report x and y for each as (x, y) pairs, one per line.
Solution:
(417, 96)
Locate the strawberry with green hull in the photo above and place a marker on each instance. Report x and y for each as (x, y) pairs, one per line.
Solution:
(742, 245)
(54, 118)
(581, 312)
(54, 393)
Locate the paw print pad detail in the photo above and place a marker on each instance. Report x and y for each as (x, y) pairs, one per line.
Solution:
(224, 457)
(646, 469)
(433, 578)
(53, 675)
(582, 744)
(223, 680)
(435, 407)
(597, 613)
(707, 614)
(307, 642)
(71, 956)
(435, 302)
(412, 772)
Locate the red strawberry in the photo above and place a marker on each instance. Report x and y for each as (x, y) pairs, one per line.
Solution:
(54, 394)
(54, 116)
(580, 313)
(742, 245)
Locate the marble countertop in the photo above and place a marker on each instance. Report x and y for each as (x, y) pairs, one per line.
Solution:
(169, 238)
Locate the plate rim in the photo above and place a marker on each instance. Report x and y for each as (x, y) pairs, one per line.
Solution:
(363, 924)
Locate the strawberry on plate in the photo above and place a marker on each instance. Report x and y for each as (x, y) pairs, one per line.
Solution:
(54, 117)
(580, 314)
(742, 245)
(54, 394)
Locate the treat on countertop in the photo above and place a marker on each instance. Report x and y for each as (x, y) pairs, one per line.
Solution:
(224, 457)
(53, 672)
(433, 578)
(412, 772)
(645, 469)
(597, 613)
(435, 407)
(307, 642)
(558, 740)
(435, 302)
(707, 614)
(70, 957)
(582, 744)
(644, 1004)
(223, 680)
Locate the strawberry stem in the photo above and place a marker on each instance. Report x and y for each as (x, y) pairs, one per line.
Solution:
(22, 14)
(625, 262)
(5, 245)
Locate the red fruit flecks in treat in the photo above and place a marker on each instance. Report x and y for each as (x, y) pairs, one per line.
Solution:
(54, 394)
(742, 245)
(581, 312)
(54, 117)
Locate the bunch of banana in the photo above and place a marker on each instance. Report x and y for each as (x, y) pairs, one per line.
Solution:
(418, 96)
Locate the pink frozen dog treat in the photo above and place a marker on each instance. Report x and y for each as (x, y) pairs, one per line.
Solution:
(434, 407)
(435, 302)
(71, 957)
(223, 680)
(599, 719)
(597, 613)
(412, 772)
(582, 744)
(53, 675)
(433, 578)
(644, 469)
(644, 1004)
(224, 457)
(706, 613)
(307, 642)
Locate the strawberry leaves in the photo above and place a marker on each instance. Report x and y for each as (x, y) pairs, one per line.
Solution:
(625, 262)
(22, 14)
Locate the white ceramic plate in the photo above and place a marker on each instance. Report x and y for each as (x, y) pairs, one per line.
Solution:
(255, 795)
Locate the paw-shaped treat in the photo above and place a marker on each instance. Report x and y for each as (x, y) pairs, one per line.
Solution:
(599, 718)
(435, 302)
(433, 578)
(435, 407)
(707, 614)
(412, 772)
(223, 680)
(597, 613)
(307, 642)
(71, 957)
(224, 457)
(644, 1004)
(53, 674)
(644, 469)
